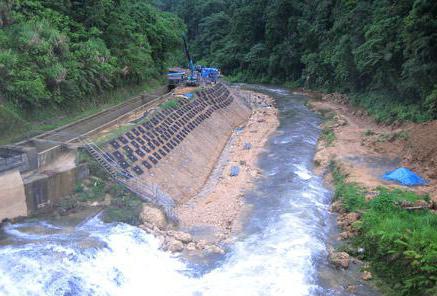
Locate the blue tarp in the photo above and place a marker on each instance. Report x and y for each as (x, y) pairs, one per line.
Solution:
(247, 146)
(405, 177)
(189, 95)
(235, 170)
(210, 73)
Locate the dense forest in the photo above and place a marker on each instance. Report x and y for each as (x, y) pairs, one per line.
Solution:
(62, 52)
(382, 52)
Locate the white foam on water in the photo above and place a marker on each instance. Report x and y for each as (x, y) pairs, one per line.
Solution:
(276, 261)
(124, 260)
(302, 172)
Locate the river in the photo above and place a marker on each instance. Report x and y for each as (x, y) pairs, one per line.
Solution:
(281, 251)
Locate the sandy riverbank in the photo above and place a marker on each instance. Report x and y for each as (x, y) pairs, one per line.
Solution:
(213, 214)
(220, 205)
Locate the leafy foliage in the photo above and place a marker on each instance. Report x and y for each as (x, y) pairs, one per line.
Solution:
(125, 207)
(400, 244)
(55, 53)
(384, 47)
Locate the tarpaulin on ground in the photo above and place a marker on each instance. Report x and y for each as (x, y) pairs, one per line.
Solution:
(405, 177)
(210, 73)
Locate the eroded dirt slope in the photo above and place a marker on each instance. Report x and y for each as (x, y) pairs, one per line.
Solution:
(367, 150)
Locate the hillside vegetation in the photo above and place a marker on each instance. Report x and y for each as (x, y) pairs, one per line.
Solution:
(383, 51)
(400, 244)
(60, 54)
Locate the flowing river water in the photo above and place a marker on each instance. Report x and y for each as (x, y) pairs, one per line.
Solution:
(281, 251)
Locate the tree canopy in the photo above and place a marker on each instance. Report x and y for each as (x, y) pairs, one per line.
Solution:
(56, 51)
(387, 48)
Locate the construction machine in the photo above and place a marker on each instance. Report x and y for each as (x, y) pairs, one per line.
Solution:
(192, 79)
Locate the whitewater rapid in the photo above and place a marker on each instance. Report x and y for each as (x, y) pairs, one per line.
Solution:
(278, 253)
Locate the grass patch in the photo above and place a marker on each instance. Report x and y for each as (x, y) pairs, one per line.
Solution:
(401, 245)
(114, 133)
(89, 191)
(350, 194)
(390, 137)
(44, 119)
(94, 192)
(328, 136)
(125, 207)
(368, 133)
(402, 135)
(170, 104)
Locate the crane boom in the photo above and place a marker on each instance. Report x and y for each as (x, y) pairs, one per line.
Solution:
(192, 79)
(187, 54)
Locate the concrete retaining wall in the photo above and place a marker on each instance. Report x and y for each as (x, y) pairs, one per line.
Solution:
(50, 155)
(12, 196)
(45, 190)
(184, 171)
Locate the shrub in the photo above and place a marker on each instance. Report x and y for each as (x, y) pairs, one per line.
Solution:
(350, 194)
(386, 109)
(431, 103)
(169, 104)
(401, 245)
(328, 136)
(125, 208)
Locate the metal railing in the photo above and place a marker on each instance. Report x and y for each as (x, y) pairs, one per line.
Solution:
(147, 192)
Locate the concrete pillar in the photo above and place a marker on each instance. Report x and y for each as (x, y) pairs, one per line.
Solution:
(12, 195)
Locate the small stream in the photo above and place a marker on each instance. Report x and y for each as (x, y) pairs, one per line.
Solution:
(282, 250)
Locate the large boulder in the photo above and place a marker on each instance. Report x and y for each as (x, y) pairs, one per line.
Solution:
(174, 246)
(213, 249)
(191, 247)
(181, 236)
(348, 219)
(154, 216)
(339, 259)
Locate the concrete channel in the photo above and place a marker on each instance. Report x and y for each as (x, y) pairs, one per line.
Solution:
(45, 168)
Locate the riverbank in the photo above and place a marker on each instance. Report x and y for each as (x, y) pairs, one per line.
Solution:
(219, 205)
(390, 226)
(210, 202)
(213, 214)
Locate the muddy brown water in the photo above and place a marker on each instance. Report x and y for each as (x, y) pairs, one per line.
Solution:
(281, 251)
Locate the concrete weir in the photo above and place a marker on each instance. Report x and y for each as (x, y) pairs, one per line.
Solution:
(32, 180)
(37, 173)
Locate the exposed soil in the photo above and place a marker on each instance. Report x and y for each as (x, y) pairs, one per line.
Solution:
(421, 148)
(184, 90)
(366, 150)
